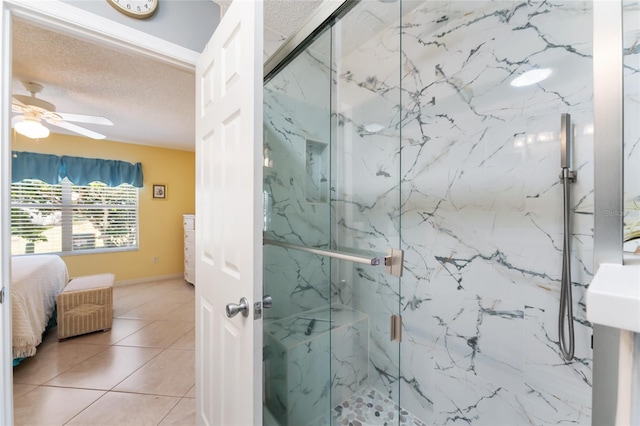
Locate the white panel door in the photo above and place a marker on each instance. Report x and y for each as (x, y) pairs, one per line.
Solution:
(229, 219)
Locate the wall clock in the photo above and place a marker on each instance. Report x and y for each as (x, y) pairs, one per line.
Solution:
(140, 9)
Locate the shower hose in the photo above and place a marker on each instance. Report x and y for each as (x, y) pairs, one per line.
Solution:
(566, 299)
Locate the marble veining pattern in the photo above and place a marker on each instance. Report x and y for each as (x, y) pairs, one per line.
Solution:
(631, 52)
(481, 212)
(464, 170)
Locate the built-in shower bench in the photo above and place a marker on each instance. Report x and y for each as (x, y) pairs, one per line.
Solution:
(311, 357)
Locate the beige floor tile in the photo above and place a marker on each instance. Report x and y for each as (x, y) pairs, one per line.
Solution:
(158, 334)
(152, 310)
(80, 369)
(133, 297)
(106, 369)
(131, 291)
(183, 292)
(52, 360)
(120, 329)
(123, 306)
(171, 373)
(52, 406)
(126, 409)
(131, 288)
(50, 336)
(191, 393)
(182, 414)
(186, 312)
(158, 287)
(175, 296)
(19, 389)
(169, 285)
(186, 342)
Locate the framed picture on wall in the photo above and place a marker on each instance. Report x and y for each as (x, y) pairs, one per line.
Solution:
(160, 191)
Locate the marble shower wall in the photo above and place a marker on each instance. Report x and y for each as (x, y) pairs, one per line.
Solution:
(354, 218)
(482, 211)
(365, 174)
(296, 210)
(296, 110)
(308, 371)
(481, 205)
(631, 38)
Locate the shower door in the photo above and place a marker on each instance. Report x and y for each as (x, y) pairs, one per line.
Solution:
(331, 183)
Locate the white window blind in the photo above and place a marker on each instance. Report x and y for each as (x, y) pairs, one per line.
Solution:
(68, 218)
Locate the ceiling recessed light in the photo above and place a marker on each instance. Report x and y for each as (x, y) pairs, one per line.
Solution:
(531, 77)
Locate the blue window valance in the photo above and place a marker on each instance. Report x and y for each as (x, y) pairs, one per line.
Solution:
(80, 171)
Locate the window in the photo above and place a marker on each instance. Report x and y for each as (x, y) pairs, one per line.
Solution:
(66, 218)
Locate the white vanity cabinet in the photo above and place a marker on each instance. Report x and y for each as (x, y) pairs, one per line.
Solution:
(189, 224)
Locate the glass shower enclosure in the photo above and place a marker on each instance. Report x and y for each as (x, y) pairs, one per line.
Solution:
(331, 213)
(432, 127)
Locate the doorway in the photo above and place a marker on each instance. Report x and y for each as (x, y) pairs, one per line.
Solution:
(68, 20)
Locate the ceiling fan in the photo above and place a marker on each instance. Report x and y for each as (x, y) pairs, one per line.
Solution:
(34, 110)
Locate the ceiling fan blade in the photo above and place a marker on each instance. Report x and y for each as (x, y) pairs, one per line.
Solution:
(77, 129)
(16, 101)
(17, 105)
(90, 119)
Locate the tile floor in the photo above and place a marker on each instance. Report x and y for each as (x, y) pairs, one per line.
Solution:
(142, 372)
(370, 407)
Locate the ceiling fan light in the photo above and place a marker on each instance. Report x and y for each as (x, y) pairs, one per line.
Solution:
(31, 128)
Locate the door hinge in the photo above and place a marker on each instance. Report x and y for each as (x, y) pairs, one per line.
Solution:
(1, 295)
(394, 262)
(396, 328)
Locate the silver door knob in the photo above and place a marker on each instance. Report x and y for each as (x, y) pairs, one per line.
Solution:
(267, 301)
(233, 309)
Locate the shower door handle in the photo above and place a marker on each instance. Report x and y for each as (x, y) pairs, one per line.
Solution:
(267, 301)
(234, 309)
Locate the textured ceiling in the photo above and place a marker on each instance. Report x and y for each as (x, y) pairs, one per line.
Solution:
(282, 18)
(150, 103)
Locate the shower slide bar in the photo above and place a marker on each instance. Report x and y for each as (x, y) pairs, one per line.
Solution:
(567, 176)
(393, 261)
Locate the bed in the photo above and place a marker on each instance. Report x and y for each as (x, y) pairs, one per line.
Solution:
(35, 284)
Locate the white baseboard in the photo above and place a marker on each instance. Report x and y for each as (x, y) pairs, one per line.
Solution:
(148, 279)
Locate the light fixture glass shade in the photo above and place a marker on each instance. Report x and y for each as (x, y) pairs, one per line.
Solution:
(31, 128)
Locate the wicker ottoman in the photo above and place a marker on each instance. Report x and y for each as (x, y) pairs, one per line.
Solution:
(86, 305)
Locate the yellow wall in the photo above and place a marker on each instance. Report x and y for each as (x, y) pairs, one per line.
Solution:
(160, 221)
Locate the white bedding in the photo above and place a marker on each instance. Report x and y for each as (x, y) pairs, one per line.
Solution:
(35, 284)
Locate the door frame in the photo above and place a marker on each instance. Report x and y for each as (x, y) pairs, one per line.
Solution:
(611, 403)
(66, 19)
